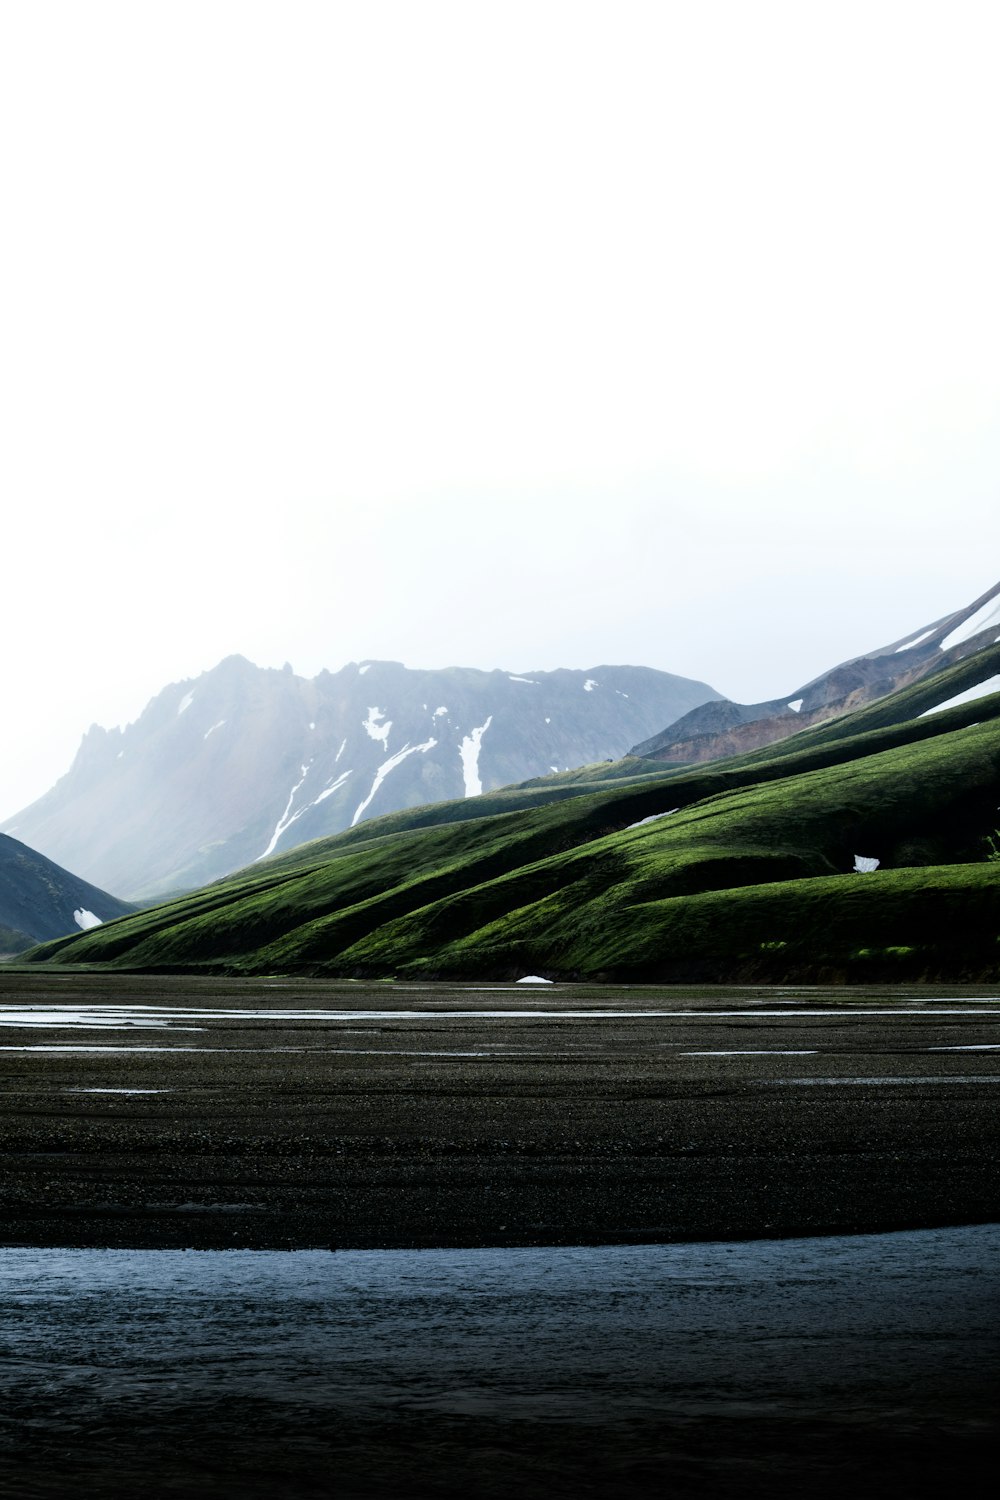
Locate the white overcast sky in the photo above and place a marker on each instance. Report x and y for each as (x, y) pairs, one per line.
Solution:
(492, 333)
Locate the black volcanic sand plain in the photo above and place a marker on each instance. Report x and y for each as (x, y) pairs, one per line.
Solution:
(303, 1114)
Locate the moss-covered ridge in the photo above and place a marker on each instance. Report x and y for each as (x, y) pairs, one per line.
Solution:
(750, 874)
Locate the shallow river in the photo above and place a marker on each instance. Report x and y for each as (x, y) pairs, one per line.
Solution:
(685, 1369)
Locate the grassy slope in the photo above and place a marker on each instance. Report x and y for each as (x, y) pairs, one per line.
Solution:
(750, 878)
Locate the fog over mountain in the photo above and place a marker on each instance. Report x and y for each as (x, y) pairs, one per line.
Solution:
(243, 762)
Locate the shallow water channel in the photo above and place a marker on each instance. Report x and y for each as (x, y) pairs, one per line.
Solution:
(681, 1369)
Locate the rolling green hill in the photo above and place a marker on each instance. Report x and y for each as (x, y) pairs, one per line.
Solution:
(743, 869)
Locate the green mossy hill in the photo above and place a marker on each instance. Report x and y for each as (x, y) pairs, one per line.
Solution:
(740, 870)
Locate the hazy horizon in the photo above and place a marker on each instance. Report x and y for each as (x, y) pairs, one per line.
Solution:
(515, 337)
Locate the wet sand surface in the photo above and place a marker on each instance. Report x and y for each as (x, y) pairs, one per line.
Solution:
(174, 1112)
(259, 1117)
(793, 1367)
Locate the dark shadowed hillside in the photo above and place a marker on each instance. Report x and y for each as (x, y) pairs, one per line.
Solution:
(39, 900)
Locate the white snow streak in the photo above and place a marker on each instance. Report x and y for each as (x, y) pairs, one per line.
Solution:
(469, 751)
(981, 689)
(386, 767)
(85, 919)
(329, 791)
(287, 817)
(915, 641)
(185, 703)
(653, 818)
(530, 680)
(865, 865)
(590, 684)
(366, 668)
(438, 712)
(213, 729)
(989, 614)
(343, 747)
(795, 705)
(374, 729)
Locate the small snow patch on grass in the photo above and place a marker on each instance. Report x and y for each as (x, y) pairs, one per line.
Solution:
(653, 818)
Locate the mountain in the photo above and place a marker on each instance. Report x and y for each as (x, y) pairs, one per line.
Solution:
(39, 900)
(243, 762)
(721, 728)
(861, 850)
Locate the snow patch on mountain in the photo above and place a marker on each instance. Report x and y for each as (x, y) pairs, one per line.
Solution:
(205, 735)
(185, 703)
(908, 645)
(469, 751)
(988, 614)
(374, 729)
(795, 705)
(287, 817)
(530, 680)
(386, 767)
(590, 685)
(334, 787)
(86, 919)
(980, 690)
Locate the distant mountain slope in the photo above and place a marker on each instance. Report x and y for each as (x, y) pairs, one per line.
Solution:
(721, 728)
(39, 900)
(243, 762)
(747, 870)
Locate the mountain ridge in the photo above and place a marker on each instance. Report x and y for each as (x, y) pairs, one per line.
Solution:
(239, 763)
(859, 852)
(715, 730)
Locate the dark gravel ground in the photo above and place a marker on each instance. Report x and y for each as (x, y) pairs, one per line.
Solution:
(744, 1113)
